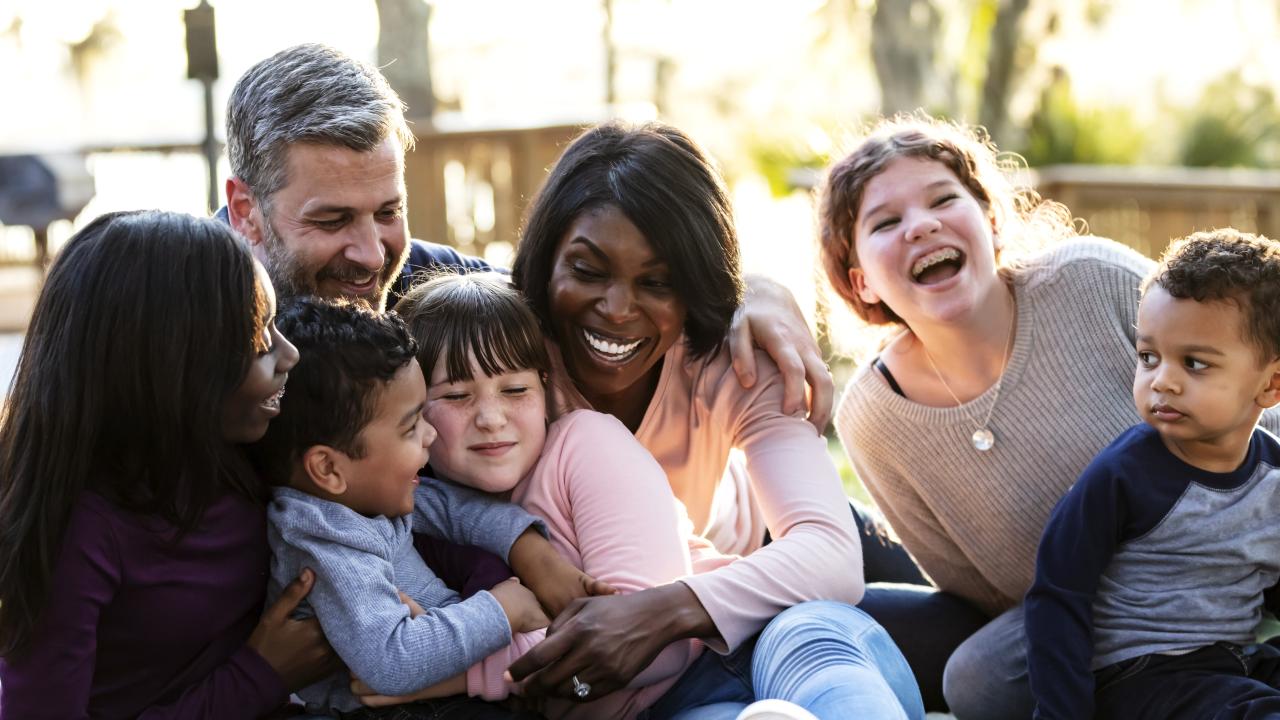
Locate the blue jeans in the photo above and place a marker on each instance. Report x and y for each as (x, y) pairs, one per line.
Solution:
(925, 623)
(986, 677)
(1221, 681)
(827, 657)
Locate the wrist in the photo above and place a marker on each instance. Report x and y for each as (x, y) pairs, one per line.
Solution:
(524, 557)
(683, 612)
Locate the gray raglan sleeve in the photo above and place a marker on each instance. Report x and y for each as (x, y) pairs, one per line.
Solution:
(355, 599)
(464, 516)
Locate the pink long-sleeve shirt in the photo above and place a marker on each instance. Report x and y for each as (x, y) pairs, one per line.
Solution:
(739, 466)
(610, 512)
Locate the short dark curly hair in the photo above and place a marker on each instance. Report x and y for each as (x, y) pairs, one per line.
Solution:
(347, 355)
(1227, 264)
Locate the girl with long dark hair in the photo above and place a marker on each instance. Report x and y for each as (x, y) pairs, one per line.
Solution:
(133, 554)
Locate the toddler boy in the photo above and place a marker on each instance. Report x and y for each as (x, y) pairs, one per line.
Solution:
(1152, 569)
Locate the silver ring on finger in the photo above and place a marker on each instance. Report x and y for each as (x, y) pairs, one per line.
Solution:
(581, 689)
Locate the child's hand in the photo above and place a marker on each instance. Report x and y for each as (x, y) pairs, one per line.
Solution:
(522, 608)
(554, 580)
(456, 685)
(414, 608)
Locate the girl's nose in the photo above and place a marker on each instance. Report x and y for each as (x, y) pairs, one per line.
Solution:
(921, 225)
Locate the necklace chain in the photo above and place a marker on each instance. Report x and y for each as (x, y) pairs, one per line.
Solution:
(983, 439)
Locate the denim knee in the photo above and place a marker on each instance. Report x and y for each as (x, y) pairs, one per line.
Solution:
(986, 677)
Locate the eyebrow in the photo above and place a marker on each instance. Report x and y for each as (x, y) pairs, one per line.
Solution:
(323, 209)
(580, 240)
(411, 416)
(935, 184)
(1197, 349)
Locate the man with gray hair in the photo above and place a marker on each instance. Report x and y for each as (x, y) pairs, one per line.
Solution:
(317, 142)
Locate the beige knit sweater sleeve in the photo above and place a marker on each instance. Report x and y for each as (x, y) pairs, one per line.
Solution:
(973, 520)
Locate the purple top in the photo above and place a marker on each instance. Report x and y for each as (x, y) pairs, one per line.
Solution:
(139, 627)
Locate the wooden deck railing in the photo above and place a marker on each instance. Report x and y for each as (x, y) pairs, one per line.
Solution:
(1146, 207)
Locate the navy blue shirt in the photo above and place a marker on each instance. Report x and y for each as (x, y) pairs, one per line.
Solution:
(1147, 554)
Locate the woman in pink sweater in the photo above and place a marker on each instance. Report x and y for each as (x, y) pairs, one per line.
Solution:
(630, 261)
(610, 511)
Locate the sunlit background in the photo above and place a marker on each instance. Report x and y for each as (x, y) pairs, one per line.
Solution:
(1125, 93)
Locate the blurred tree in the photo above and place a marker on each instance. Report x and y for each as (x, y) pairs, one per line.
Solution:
(1060, 131)
(1002, 56)
(404, 53)
(917, 67)
(104, 37)
(905, 35)
(1234, 124)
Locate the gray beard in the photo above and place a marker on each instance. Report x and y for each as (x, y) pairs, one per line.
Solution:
(288, 276)
(291, 279)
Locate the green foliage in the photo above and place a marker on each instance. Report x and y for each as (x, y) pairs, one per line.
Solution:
(1061, 131)
(779, 160)
(1234, 124)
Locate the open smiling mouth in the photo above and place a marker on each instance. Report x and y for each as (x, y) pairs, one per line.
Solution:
(611, 350)
(273, 402)
(940, 265)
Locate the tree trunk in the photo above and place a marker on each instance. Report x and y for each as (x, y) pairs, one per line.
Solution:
(1001, 59)
(904, 35)
(403, 53)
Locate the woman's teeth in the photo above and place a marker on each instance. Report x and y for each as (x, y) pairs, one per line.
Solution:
(940, 256)
(609, 348)
(273, 402)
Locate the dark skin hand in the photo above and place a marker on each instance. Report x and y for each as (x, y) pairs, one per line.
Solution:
(606, 641)
(295, 649)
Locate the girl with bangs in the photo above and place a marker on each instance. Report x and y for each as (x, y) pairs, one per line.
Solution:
(610, 512)
(133, 549)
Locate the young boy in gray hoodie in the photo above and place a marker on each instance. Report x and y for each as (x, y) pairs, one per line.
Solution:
(344, 455)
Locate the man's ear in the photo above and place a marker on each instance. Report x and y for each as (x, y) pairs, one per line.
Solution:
(324, 466)
(858, 281)
(243, 210)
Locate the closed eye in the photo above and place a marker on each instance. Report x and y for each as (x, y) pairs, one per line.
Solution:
(585, 272)
(331, 223)
(944, 199)
(885, 224)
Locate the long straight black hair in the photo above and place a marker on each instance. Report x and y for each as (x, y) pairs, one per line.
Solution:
(146, 324)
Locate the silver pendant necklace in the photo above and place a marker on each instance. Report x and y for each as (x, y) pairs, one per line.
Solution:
(982, 439)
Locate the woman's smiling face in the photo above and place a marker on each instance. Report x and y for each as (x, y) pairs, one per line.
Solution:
(924, 244)
(613, 307)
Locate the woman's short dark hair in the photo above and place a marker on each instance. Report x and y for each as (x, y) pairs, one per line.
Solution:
(478, 314)
(667, 187)
(347, 353)
(146, 324)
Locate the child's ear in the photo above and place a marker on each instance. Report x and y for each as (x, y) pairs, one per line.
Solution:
(324, 466)
(1270, 395)
(858, 282)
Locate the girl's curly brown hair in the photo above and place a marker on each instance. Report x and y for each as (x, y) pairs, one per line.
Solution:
(965, 151)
